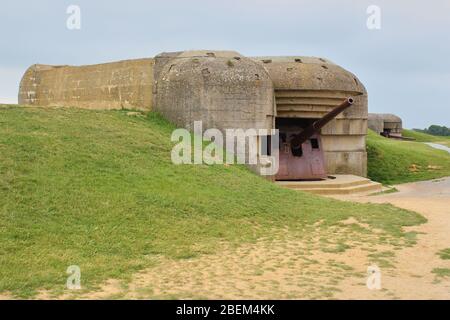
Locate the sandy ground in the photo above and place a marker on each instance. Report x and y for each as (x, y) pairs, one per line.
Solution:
(412, 277)
(285, 266)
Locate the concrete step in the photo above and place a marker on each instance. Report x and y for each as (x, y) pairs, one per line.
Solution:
(342, 184)
(341, 181)
(371, 187)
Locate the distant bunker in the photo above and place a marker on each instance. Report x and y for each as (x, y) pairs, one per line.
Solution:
(387, 125)
(224, 89)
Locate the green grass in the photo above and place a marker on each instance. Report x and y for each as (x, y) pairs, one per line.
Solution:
(441, 272)
(444, 254)
(424, 137)
(382, 259)
(97, 189)
(392, 161)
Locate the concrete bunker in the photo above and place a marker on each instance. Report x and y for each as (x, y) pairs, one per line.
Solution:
(224, 89)
(385, 124)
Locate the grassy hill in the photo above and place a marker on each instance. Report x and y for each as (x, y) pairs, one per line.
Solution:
(392, 161)
(423, 137)
(97, 189)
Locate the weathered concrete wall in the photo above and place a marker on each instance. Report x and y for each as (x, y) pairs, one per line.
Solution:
(220, 88)
(309, 87)
(117, 85)
(375, 123)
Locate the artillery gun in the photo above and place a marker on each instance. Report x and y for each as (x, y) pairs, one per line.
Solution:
(301, 155)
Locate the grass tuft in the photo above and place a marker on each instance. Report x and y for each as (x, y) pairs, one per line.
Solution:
(441, 272)
(444, 254)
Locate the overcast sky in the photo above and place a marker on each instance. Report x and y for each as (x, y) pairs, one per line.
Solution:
(405, 65)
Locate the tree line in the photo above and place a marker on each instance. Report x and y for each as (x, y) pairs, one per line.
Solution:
(435, 130)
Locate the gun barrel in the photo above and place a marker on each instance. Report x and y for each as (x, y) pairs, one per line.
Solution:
(319, 124)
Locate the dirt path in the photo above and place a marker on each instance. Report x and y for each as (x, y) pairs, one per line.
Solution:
(412, 277)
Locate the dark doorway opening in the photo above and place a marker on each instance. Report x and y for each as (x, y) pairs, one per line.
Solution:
(293, 123)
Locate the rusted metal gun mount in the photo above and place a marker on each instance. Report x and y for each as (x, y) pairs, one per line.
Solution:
(299, 139)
